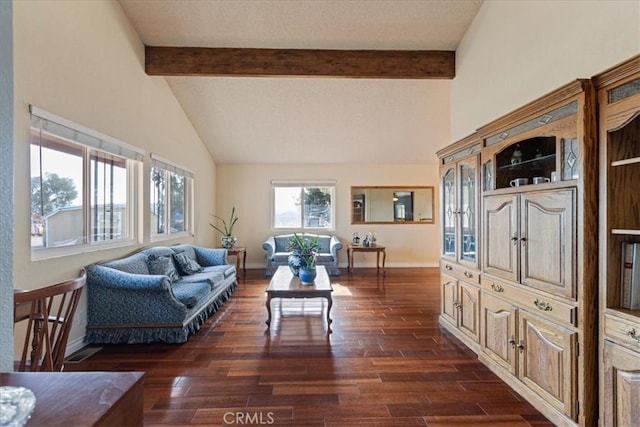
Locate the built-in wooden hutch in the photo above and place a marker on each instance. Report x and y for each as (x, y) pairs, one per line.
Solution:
(619, 134)
(532, 206)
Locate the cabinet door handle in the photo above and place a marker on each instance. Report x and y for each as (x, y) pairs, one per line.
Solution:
(514, 239)
(497, 288)
(512, 341)
(633, 334)
(541, 305)
(520, 346)
(468, 275)
(448, 267)
(523, 239)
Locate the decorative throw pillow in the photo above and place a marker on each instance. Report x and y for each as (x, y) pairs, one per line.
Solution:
(163, 265)
(186, 264)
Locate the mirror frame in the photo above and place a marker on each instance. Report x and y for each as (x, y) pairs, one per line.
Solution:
(399, 188)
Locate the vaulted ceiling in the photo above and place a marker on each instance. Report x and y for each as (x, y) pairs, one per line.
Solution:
(324, 119)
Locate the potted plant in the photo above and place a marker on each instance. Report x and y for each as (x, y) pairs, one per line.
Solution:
(302, 260)
(228, 240)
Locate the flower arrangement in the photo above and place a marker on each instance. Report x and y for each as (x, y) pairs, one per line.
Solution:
(305, 248)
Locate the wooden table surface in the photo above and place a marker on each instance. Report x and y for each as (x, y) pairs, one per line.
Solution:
(82, 398)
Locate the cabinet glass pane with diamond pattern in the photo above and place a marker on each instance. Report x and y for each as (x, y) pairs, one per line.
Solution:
(468, 211)
(450, 212)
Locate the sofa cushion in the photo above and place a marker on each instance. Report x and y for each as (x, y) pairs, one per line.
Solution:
(209, 256)
(135, 264)
(186, 248)
(163, 265)
(191, 293)
(186, 264)
(212, 278)
(324, 258)
(158, 251)
(226, 270)
(282, 242)
(281, 257)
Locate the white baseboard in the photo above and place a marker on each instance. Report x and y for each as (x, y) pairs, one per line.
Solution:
(370, 265)
(75, 345)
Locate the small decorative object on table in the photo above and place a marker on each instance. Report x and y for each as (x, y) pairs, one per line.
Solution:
(303, 257)
(371, 236)
(228, 240)
(16, 405)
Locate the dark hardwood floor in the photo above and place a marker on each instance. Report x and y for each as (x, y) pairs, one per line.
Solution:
(387, 363)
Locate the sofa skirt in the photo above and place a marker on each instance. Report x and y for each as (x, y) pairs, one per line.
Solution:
(168, 334)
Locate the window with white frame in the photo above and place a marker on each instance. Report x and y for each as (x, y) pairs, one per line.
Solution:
(82, 186)
(303, 205)
(171, 203)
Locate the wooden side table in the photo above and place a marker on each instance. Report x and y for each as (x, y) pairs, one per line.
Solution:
(238, 252)
(358, 248)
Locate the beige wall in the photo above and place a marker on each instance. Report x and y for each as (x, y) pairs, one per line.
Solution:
(248, 187)
(517, 51)
(81, 60)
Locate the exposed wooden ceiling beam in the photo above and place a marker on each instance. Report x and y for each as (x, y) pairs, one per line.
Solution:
(243, 62)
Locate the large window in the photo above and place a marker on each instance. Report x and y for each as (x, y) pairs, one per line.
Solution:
(171, 203)
(306, 206)
(82, 186)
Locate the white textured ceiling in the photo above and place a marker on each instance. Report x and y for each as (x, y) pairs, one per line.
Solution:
(274, 120)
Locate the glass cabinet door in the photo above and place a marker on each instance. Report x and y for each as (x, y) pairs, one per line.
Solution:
(449, 213)
(468, 212)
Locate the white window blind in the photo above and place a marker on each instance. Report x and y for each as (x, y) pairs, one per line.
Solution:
(160, 163)
(56, 125)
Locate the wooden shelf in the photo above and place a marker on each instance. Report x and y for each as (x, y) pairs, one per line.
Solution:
(631, 161)
(634, 232)
(530, 163)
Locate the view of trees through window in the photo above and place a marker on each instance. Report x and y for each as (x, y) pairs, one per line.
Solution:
(168, 202)
(63, 212)
(304, 207)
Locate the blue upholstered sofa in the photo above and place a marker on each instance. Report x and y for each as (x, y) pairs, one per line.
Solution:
(278, 254)
(159, 294)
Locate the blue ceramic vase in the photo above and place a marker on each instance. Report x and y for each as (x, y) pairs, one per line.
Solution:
(307, 275)
(295, 262)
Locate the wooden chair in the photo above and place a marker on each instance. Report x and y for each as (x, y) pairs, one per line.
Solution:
(50, 315)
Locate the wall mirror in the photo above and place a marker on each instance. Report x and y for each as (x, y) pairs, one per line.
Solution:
(392, 205)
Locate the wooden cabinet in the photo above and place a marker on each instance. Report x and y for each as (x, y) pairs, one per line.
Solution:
(358, 208)
(498, 332)
(521, 230)
(547, 361)
(538, 353)
(459, 204)
(619, 142)
(621, 386)
(537, 264)
(460, 197)
(461, 308)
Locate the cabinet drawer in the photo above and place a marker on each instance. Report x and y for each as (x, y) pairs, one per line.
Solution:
(532, 301)
(460, 272)
(624, 332)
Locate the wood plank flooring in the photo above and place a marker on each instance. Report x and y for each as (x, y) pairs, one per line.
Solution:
(387, 363)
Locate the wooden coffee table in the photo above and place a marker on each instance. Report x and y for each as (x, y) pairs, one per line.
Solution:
(285, 285)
